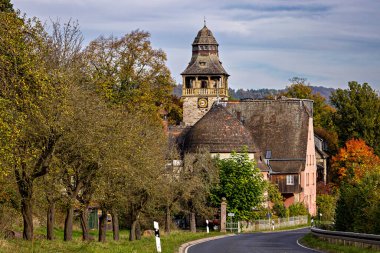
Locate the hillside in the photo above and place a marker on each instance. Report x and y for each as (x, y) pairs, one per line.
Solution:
(262, 93)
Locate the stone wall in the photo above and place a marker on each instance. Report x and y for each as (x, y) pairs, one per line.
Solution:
(191, 112)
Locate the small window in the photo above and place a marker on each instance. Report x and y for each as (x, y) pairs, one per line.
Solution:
(289, 179)
(268, 154)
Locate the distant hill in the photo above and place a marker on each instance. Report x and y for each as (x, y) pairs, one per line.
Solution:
(325, 92)
(262, 93)
(253, 94)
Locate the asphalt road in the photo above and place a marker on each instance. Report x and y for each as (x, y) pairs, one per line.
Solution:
(276, 242)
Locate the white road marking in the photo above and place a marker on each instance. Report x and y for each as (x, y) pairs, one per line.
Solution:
(299, 244)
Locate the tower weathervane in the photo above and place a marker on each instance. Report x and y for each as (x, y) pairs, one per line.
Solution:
(204, 20)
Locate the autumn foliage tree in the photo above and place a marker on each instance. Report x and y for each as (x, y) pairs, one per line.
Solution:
(353, 161)
(31, 102)
(128, 70)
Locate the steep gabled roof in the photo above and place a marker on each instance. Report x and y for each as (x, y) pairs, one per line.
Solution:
(280, 126)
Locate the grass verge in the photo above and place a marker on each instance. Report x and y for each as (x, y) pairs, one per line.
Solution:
(169, 243)
(314, 242)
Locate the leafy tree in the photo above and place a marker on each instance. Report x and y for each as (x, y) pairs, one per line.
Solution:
(64, 63)
(129, 71)
(297, 209)
(353, 161)
(145, 136)
(358, 206)
(199, 176)
(241, 183)
(280, 210)
(6, 6)
(357, 114)
(83, 159)
(276, 198)
(31, 104)
(172, 188)
(175, 111)
(326, 206)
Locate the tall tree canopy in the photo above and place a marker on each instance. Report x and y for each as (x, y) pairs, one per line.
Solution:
(198, 177)
(128, 70)
(30, 128)
(358, 206)
(357, 114)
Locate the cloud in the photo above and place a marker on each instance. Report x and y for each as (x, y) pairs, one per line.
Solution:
(262, 43)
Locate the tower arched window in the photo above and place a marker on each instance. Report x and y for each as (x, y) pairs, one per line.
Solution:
(204, 84)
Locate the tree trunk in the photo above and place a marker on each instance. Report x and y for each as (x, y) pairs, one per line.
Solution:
(84, 223)
(50, 221)
(115, 225)
(193, 227)
(168, 220)
(103, 226)
(68, 231)
(138, 231)
(27, 215)
(132, 234)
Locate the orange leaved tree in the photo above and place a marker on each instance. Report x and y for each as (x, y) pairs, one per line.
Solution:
(353, 161)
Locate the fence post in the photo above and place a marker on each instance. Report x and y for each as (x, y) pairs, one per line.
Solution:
(223, 215)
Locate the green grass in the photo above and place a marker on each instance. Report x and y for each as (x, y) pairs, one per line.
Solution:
(314, 242)
(169, 243)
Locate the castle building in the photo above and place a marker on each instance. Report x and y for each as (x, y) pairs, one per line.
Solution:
(278, 134)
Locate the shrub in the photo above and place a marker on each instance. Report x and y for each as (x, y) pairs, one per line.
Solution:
(297, 209)
(326, 206)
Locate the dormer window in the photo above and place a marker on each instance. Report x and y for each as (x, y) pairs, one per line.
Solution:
(202, 64)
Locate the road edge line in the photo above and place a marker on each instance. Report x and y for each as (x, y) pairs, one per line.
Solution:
(299, 244)
(184, 247)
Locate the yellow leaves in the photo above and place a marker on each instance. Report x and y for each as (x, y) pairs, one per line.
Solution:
(129, 71)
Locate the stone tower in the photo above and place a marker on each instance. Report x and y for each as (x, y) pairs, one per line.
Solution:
(204, 79)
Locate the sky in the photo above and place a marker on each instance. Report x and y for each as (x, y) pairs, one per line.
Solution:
(262, 44)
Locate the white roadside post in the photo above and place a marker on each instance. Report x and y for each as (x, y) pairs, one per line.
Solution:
(157, 235)
(207, 229)
(231, 215)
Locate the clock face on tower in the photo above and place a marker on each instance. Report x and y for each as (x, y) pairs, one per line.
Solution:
(202, 102)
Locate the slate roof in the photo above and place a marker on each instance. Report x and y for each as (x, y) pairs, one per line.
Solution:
(280, 126)
(205, 62)
(287, 167)
(205, 37)
(205, 65)
(220, 132)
